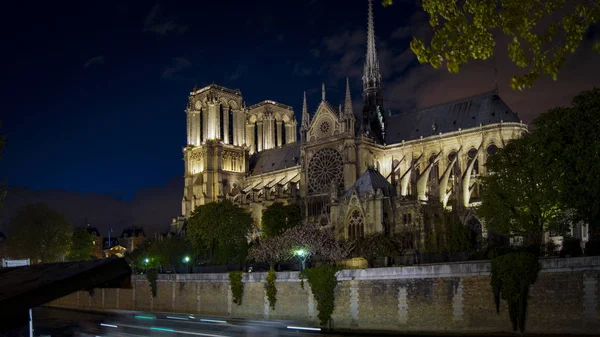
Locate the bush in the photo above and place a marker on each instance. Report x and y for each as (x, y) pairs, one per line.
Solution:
(571, 247)
(151, 276)
(237, 286)
(322, 281)
(271, 289)
(512, 275)
(592, 248)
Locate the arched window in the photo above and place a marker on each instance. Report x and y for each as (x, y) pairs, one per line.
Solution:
(492, 149)
(356, 228)
(473, 155)
(451, 157)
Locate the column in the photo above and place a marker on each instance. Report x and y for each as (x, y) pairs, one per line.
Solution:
(204, 116)
(242, 131)
(188, 129)
(279, 134)
(259, 126)
(211, 120)
(235, 122)
(226, 124)
(218, 121)
(250, 137)
(289, 133)
(196, 127)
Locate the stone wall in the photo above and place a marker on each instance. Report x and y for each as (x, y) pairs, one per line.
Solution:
(428, 298)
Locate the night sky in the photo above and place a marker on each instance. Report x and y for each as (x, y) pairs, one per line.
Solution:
(93, 92)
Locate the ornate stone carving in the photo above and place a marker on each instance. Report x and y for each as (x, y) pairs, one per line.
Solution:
(325, 167)
(195, 155)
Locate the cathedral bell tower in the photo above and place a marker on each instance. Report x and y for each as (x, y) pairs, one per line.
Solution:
(372, 121)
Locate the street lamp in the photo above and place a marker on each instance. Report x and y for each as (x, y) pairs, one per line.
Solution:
(186, 259)
(146, 260)
(302, 256)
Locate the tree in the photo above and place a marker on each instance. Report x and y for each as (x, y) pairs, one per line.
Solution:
(221, 230)
(541, 33)
(570, 140)
(40, 233)
(82, 244)
(278, 217)
(168, 251)
(374, 246)
(310, 239)
(2, 189)
(519, 196)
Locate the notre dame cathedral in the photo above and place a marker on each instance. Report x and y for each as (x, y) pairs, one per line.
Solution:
(362, 172)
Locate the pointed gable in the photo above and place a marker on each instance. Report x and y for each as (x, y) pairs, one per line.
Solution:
(325, 123)
(371, 179)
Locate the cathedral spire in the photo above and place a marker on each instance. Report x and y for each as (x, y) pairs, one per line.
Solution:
(372, 120)
(305, 124)
(305, 115)
(371, 74)
(348, 103)
(323, 91)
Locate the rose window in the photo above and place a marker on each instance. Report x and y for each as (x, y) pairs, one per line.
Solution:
(325, 127)
(325, 167)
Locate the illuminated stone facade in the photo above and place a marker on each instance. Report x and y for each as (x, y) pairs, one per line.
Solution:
(361, 172)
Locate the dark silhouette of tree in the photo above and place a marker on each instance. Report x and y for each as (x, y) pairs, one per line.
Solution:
(82, 245)
(279, 217)
(40, 233)
(220, 230)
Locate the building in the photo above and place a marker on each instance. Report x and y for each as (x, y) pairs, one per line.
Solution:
(96, 241)
(361, 172)
(132, 237)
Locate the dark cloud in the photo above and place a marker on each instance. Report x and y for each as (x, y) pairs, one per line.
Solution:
(177, 65)
(155, 22)
(409, 85)
(240, 70)
(96, 60)
(152, 207)
(301, 69)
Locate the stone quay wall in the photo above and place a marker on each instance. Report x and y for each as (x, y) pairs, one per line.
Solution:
(439, 298)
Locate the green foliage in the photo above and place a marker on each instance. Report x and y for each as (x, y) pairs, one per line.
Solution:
(278, 217)
(450, 235)
(570, 139)
(322, 281)
(519, 197)
(375, 246)
(592, 248)
(271, 289)
(540, 33)
(460, 238)
(571, 247)
(152, 276)
(136, 258)
(512, 275)
(168, 251)
(40, 233)
(220, 230)
(82, 245)
(237, 286)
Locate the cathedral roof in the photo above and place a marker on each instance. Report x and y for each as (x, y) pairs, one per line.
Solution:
(371, 179)
(275, 159)
(469, 112)
(269, 102)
